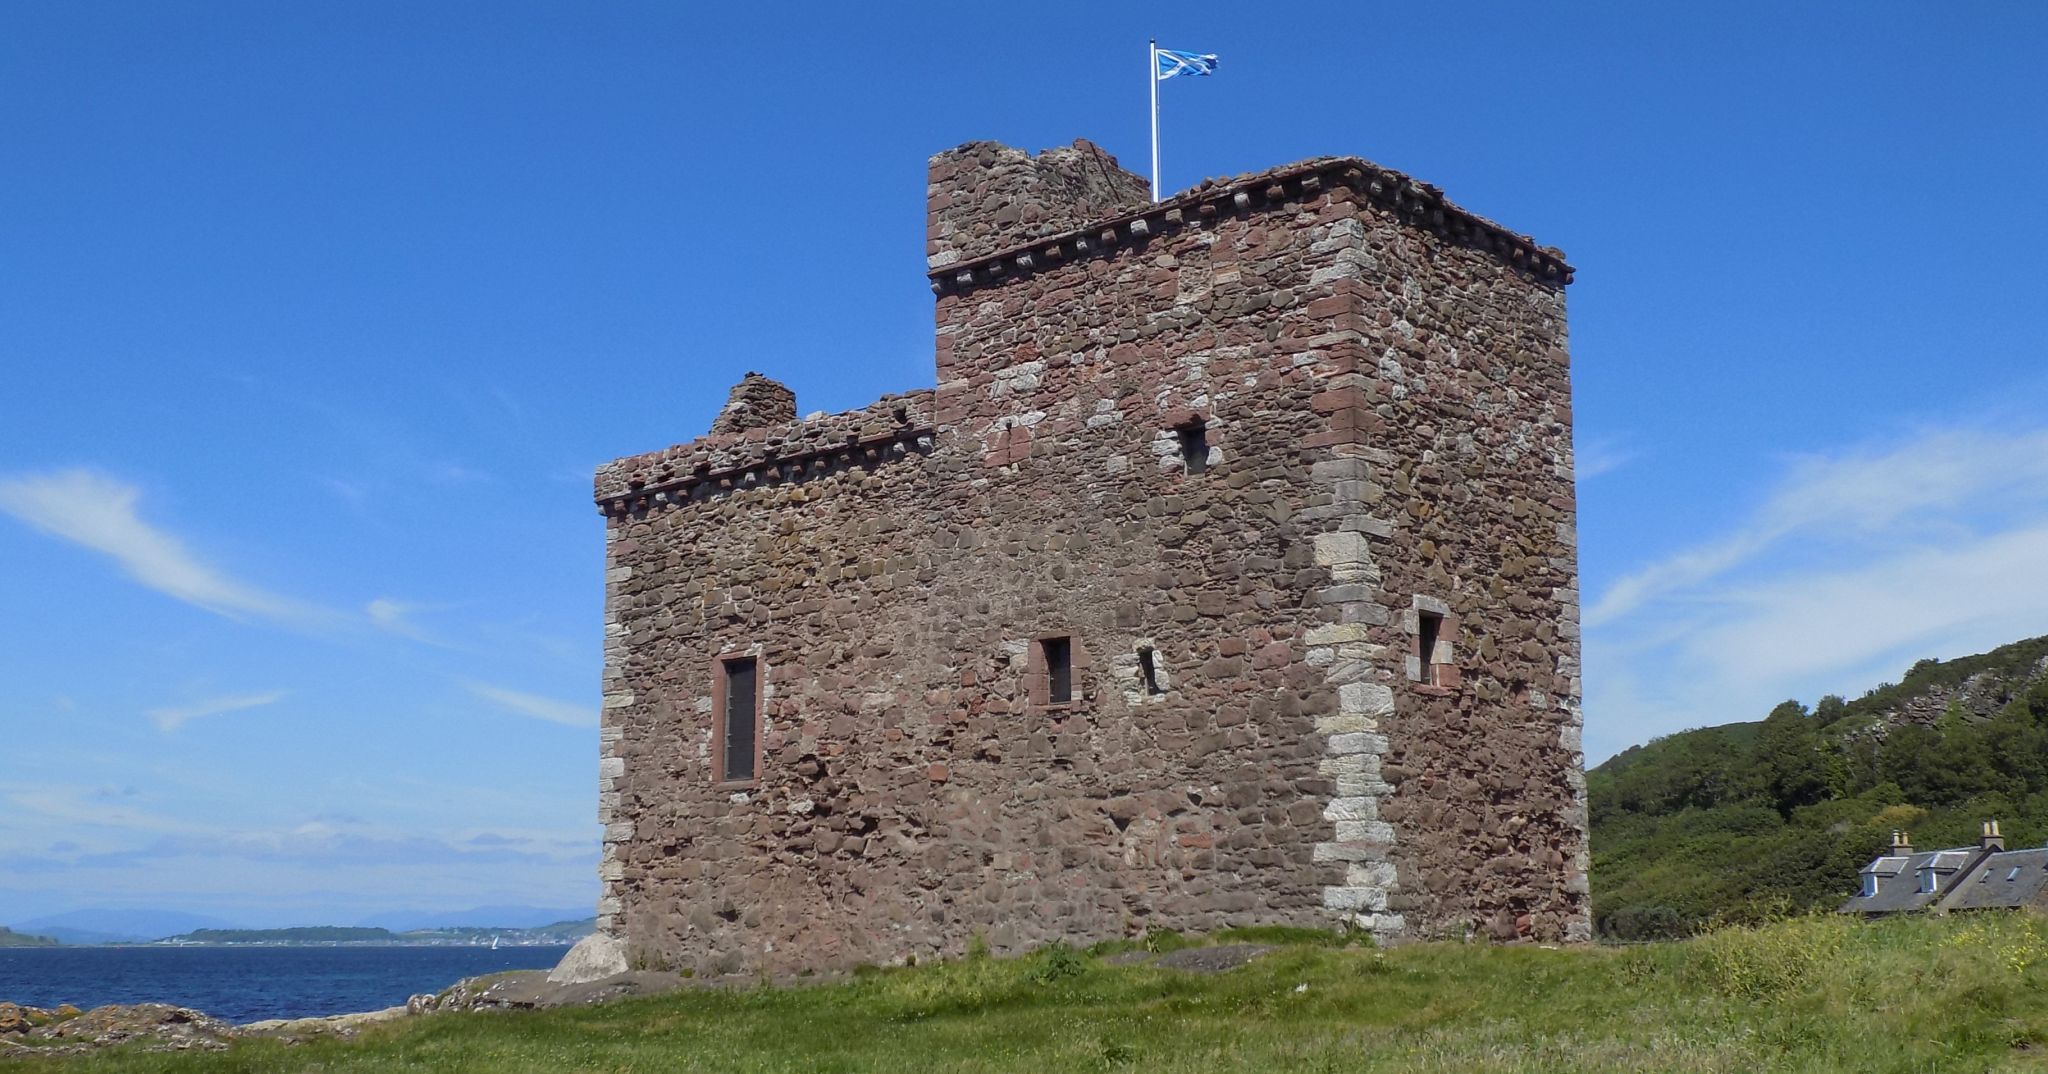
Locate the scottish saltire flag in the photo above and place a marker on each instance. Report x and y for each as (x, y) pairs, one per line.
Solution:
(1173, 63)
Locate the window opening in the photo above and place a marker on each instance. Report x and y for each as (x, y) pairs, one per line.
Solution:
(1148, 670)
(1194, 447)
(742, 690)
(1869, 884)
(1429, 626)
(1059, 669)
(2014, 875)
(1926, 881)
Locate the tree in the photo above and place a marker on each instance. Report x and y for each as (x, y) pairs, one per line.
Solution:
(1789, 757)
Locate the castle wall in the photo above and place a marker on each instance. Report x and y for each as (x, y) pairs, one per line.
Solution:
(1465, 421)
(1385, 407)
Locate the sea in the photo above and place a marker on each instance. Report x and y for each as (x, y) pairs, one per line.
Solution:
(247, 984)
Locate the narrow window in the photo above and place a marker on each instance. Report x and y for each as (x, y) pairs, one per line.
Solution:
(1194, 446)
(1059, 669)
(1148, 670)
(1429, 626)
(741, 716)
(1926, 881)
(1869, 884)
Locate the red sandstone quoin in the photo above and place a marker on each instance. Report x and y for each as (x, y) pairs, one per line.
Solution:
(1227, 576)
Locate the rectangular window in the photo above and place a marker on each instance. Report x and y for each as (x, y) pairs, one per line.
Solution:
(1059, 669)
(742, 716)
(1429, 626)
(1148, 670)
(1926, 881)
(1194, 447)
(1869, 884)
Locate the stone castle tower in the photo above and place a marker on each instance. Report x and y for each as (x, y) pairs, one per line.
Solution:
(1226, 576)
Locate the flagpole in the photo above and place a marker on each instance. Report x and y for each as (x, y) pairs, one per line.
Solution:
(1152, 76)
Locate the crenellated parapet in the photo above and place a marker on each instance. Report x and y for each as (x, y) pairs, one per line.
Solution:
(1415, 203)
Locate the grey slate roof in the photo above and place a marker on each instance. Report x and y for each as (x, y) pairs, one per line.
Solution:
(2008, 878)
(1967, 878)
(1899, 889)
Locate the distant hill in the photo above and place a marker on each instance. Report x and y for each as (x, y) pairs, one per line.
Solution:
(1732, 823)
(560, 932)
(308, 934)
(115, 926)
(11, 938)
(502, 917)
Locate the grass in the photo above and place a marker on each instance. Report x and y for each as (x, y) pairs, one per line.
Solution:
(1814, 994)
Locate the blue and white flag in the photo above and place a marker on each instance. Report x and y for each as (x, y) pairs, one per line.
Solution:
(1173, 63)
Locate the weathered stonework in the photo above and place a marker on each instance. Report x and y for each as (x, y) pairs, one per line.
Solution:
(1243, 449)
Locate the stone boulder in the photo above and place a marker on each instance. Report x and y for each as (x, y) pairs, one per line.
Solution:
(594, 958)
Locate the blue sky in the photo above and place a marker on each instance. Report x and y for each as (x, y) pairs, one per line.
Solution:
(317, 317)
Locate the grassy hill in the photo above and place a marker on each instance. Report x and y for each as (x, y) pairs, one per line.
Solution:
(11, 938)
(1819, 994)
(1740, 821)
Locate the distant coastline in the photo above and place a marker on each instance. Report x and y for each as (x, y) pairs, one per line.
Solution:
(554, 935)
(558, 934)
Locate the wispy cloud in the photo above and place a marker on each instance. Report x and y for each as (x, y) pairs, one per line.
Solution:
(1601, 455)
(170, 719)
(98, 512)
(1853, 566)
(1921, 483)
(397, 617)
(540, 708)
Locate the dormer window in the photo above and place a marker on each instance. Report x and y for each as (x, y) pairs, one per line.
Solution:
(1869, 884)
(1927, 881)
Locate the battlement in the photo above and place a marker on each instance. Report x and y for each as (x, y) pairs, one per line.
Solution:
(1417, 204)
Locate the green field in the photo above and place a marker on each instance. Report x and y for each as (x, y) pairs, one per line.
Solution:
(1951, 995)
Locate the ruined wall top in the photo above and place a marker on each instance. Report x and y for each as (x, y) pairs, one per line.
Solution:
(984, 197)
(756, 402)
(788, 450)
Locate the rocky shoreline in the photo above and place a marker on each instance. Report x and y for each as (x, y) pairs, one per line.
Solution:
(593, 971)
(66, 1030)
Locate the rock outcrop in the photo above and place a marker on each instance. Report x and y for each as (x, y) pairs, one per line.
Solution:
(67, 1031)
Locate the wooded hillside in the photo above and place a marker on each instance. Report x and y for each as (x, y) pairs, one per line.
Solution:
(1743, 820)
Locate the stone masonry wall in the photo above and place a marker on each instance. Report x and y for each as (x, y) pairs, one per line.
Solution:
(1385, 406)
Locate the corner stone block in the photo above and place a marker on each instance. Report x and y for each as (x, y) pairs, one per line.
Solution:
(1354, 899)
(1371, 874)
(1365, 699)
(1349, 852)
(1352, 809)
(1358, 742)
(1342, 549)
(1376, 832)
(1338, 634)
